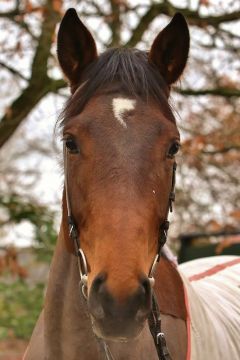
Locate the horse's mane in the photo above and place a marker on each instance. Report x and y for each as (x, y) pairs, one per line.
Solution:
(132, 73)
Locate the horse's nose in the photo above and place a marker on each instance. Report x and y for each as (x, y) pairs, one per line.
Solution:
(119, 318)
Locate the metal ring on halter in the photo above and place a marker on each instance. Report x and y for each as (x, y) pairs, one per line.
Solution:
(82, 265)
(71, 230)
(82, 262)
(152, 271)
(83, 289)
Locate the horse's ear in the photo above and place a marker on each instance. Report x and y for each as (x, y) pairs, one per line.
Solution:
(76, 47)
(169, 51)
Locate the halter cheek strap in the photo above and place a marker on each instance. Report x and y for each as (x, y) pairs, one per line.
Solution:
(73, 232)
(154, 319)
(163, 230)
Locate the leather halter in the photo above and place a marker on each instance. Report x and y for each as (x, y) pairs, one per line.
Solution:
(154, 319)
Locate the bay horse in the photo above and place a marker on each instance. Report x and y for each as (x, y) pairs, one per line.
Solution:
(119, 144)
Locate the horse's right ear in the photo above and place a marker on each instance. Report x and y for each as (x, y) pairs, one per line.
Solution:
(169, 51)
(76, 47)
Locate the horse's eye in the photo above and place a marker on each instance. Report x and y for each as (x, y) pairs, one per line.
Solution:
(173, 149)
(72, 146)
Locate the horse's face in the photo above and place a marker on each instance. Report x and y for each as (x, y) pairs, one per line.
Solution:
(119, 174)
(120, 160)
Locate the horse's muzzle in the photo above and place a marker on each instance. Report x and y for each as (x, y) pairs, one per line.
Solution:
(118, 320)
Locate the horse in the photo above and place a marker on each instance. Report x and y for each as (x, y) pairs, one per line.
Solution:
(108, 296)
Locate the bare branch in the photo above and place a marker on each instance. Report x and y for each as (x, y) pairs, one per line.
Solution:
(39, 83)
(221, 151)
(225, 92)
(16, 16)
(10, 14)
(193, 17)
(22, 106)
(115, 23)
(12, 70)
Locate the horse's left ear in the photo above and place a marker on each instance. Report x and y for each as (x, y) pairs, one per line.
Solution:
(76, 47)
(169, 51)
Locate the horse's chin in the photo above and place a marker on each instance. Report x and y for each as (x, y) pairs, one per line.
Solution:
(101, 334)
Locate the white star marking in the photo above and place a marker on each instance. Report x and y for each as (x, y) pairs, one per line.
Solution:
(120, 106)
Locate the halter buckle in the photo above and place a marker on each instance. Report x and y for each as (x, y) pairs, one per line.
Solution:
(165, 225)
(159, 337)
(172, 196)
(73, 233)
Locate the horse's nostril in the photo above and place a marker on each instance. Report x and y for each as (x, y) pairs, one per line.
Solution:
(146, 286)
(95, 303)
(140, 315)
(98, 281)
(98, 312)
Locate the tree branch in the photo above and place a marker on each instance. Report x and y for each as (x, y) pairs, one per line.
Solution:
(221, 151)
(39, 83)
(12, 70)
(17, 12)
(115, 23)
(24, 104)
(168, 9)
(16, 17)
(225, 92)
(10, 14)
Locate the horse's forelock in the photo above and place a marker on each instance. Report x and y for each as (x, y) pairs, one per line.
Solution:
(132, 73)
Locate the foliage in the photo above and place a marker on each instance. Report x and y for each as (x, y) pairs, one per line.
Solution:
(43, 220)
(20, 306)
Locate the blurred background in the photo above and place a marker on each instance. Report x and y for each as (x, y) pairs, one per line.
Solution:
(206, 103)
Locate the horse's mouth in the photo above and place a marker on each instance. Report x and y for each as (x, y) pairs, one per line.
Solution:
(106, 333)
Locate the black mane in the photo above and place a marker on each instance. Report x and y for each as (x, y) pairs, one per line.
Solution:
(131, 70)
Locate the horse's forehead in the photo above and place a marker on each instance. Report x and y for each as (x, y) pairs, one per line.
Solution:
(119, 118)
(117, 109)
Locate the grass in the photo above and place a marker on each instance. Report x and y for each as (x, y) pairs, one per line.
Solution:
(20, 306)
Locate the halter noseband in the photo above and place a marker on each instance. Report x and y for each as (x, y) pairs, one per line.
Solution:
(154, 319)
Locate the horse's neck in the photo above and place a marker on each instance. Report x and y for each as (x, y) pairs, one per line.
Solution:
(67, 330)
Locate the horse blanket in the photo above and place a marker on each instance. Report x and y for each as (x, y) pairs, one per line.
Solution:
(212, 296)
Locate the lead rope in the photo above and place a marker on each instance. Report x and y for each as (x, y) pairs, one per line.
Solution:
(154, 319)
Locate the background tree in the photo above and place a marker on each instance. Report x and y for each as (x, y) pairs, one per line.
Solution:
(207, 98)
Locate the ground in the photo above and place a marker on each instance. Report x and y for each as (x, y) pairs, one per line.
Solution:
(12, 349)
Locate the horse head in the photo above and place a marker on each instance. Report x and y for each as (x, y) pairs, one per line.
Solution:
(121, 140)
